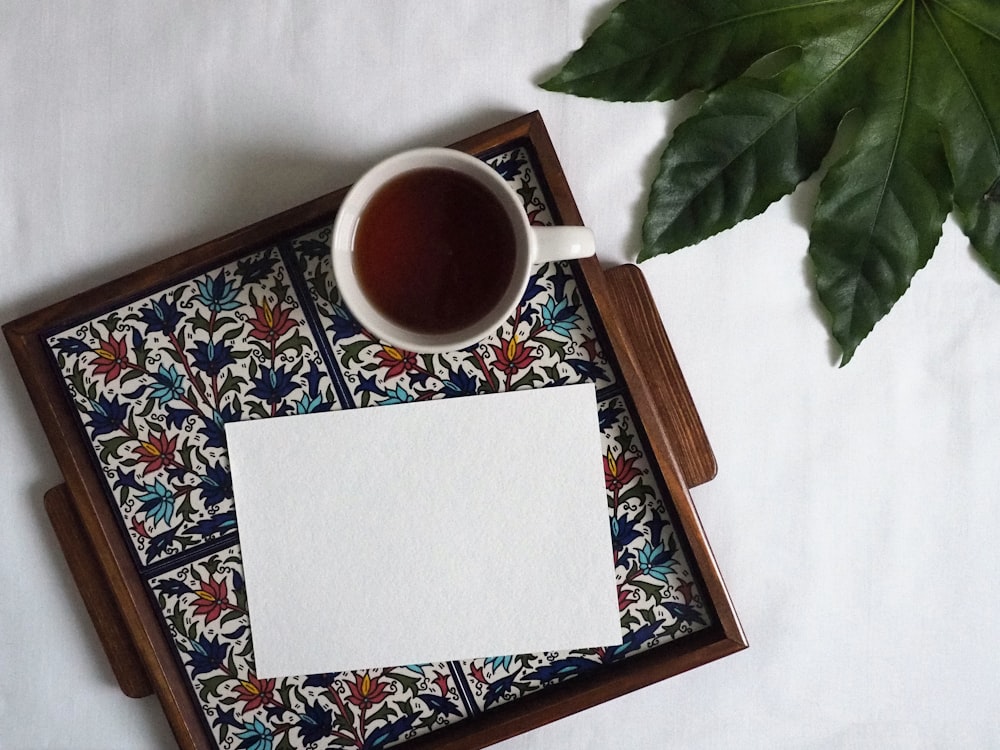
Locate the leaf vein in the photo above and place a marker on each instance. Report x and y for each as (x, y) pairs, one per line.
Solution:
(795, 103)
(855, 301)
(967, 20)
(972, 89)
(658, 49)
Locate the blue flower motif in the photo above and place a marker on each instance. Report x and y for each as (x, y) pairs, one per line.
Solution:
(320, 679)
(216, 485)
(272, 385)
(161, 315)
(499, 662)
(343, 325)
(310, 405)
(106, 415)
(459, 383)
(559, 280)
(398, 395)
(72, 345)
(220, 522)
(655, 561)
(632, 641)
(608, 415)
(206, 655)
(623, 531)
(369, 384)
(315, 723)
(255, 736)
(313, 378)
(534, 287)
(313, 400)
(210, 357)
(215, 428)
(586, 369)
(388, 733)
(174, 587)
(161, 542)
(255, 268)
(559, 317)
(226, 718)
(509, 168)
(217, 294)
(157, 502)
(168, 385)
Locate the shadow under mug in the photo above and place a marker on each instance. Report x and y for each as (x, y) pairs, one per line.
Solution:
(533, 245)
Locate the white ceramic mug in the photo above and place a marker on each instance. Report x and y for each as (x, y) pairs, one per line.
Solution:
(533, 246)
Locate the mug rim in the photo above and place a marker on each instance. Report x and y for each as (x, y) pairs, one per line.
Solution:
(345, 227)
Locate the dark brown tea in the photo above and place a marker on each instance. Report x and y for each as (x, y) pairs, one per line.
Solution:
(434, 250)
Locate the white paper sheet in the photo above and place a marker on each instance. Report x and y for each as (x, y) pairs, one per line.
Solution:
(425, 532)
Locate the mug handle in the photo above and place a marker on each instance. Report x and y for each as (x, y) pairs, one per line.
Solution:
(562, 243)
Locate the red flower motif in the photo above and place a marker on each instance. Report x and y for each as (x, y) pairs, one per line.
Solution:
(477, 673)
(156, 452)
(625, 597)
(686, 590)
(213, 599)
(110, 357)
(618, 471)
(254, 693)
(366, 692)
(396, 361)
(513, 355)
(139, 527)
(270, 324)
(441, 682)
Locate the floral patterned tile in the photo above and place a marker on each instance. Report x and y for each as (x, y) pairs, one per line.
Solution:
(155, 381)
(657, 594)
(205, 610)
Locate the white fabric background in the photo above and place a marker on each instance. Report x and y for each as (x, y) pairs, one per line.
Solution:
(855, 512)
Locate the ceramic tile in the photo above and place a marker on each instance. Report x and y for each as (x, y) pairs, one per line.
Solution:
(155, 381)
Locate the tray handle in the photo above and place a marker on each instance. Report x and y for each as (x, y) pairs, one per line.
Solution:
(641, 324)
(107, 619)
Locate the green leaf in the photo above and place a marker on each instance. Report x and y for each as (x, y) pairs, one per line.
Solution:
(922, 76)
(352, 351)
(293, 342)
(231, 383)
(144, 412)
(555, 347)
(345, 719)
(109, 448)
(651, 590)
(428, 360)
(198, 321)
(657, 50)
(211, 685)
(385, 712)
(628, 619)
(527, 380)
(408, 681)
(186, 509)
(638, 492)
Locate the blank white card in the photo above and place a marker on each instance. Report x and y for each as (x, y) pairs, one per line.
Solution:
(425, 532)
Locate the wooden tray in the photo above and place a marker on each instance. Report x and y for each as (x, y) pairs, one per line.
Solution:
(133, 380)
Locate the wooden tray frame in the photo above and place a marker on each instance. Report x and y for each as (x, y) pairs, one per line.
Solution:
(140, 653)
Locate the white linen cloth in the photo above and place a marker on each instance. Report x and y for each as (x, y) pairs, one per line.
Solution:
(855, 512)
